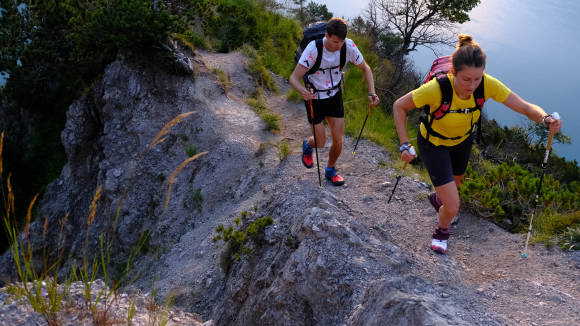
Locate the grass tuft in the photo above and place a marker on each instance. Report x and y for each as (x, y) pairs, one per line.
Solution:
(271, 119)
(283, 150)
(222, 77)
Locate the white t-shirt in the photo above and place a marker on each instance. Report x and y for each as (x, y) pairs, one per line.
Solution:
(322, 78)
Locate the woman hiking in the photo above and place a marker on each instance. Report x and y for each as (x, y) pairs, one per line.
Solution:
(444, 138)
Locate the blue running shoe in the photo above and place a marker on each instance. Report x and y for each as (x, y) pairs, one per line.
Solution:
(307, 159)
(331, 175)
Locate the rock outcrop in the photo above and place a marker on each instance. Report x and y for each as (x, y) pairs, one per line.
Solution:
(334, 256)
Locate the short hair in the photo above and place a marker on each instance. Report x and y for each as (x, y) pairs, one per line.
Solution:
(337, 26)
(467, 53)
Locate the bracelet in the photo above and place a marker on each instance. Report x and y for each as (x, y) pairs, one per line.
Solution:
(372, 94)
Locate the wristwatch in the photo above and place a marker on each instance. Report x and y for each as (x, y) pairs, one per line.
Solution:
(544, 123)
(405, 147)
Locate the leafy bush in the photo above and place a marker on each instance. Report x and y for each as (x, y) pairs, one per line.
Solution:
(257, 69)
(505, 193)
(229, 24)
(237, 237)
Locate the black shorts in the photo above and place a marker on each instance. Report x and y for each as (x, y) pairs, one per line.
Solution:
(327, 107)
(443, 162)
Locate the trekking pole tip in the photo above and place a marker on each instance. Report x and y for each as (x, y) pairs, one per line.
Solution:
(352, 152)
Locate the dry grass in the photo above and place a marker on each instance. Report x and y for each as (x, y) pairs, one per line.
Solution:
(171, 179)
(159, 138)
(93, 210)
(28, 215)
(22, 251)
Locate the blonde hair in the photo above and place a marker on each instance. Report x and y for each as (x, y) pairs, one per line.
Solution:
(467, 53)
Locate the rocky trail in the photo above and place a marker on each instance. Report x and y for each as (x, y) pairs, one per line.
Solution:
(334, 255)
(483, 270)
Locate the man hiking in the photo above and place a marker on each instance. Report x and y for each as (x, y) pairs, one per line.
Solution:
(322, 90)
(444, 137)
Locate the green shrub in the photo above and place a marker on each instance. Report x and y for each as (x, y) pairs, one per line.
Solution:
(257, 70)
(237, 238)
(191, 150)
(283, 150)
(506, 192)
(571, 238)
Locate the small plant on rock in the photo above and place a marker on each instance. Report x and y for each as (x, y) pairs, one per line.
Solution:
(283, 150)
(238, 237)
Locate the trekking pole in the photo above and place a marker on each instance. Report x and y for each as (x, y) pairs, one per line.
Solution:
(412, 152)
(556, 116)
(315, 143)
(361, 129)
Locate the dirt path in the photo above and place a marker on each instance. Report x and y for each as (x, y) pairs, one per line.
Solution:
(483, 263)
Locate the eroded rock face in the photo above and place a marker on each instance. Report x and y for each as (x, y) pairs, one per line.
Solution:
(323, 262)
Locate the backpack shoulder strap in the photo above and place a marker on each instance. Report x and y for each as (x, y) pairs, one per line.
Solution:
(479, 94)
(343, 56)
(446, 89)
(316, 65)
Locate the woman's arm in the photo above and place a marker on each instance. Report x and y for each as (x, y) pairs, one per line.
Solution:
(532, 111)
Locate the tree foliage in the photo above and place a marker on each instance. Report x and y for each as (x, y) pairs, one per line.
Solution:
(404, 25)
(311, 12)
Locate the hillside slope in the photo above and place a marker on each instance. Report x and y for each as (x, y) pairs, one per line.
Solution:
(334, 256)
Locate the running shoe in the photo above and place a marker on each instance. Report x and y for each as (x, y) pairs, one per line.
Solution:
(307, 158)
(439, 241)
(331, 175)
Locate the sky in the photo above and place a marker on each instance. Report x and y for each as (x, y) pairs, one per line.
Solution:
(344, 8)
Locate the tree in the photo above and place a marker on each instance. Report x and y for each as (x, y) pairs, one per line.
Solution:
(311, 12)
(316, 12)
(13, 34)
(406, 24)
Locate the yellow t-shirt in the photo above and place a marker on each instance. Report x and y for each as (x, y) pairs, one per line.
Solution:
(455, 124)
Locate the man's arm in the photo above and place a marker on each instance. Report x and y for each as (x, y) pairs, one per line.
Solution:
(295, 78)
(368, 76)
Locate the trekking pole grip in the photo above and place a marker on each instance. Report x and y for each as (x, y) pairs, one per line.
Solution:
(548, 146)
(550, 137)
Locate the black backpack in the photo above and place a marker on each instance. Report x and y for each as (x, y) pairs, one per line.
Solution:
(316, 31)
(439, 70)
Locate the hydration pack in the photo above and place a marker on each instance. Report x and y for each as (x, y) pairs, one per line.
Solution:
(316, 32)
(439, 70)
